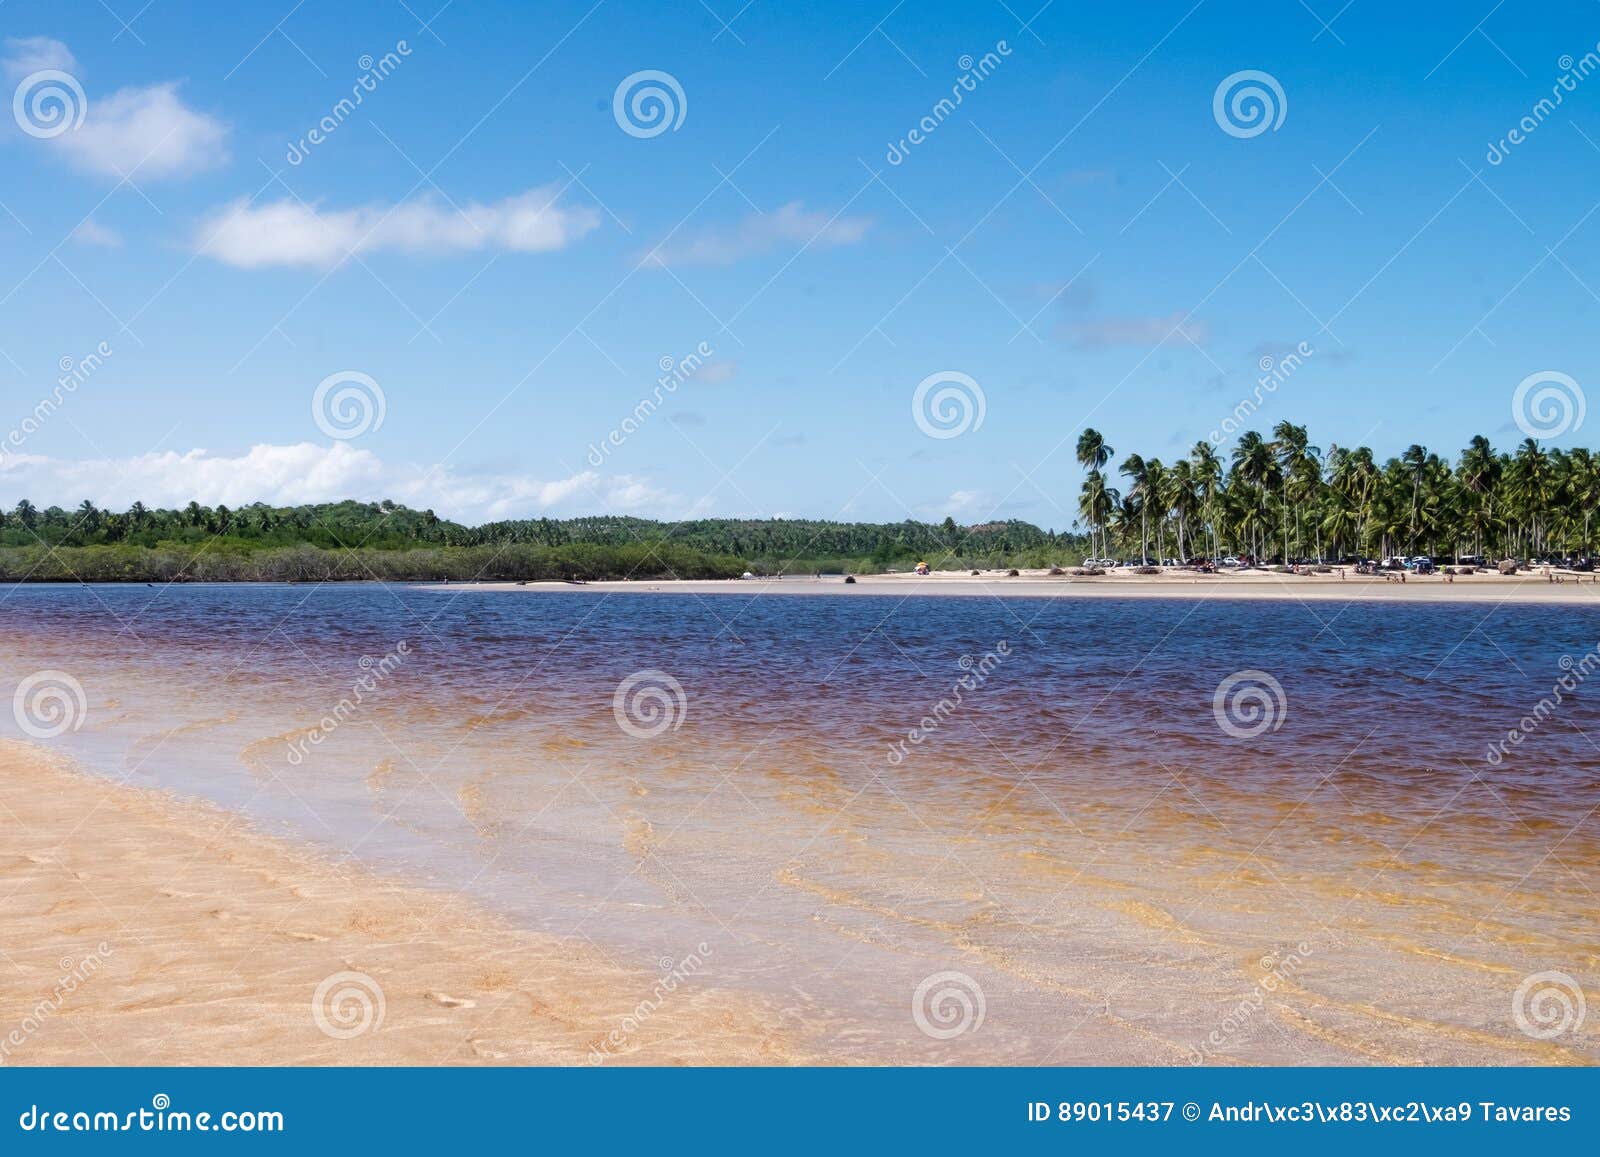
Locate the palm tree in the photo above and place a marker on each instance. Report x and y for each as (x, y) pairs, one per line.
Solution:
(1529, 487)
(1584, 483)
(1093, 454)
(1415, 461)
(1478, 477)
(1208, 482)
(1300, 465)
(1183, 500)
(1095, 503)
(1137, 499)
(1157, 497)
(1255, 467)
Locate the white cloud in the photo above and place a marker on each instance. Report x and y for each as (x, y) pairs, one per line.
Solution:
(761, 233)
(968, 503)
(292, 233)
(26, 55)
(140, 132)
(91, 232)
(143, 133)
(306, 472)
(1138, 331)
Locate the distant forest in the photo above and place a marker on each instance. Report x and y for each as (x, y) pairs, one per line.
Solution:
(349, 541)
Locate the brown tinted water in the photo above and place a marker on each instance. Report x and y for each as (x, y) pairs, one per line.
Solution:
(843, 800)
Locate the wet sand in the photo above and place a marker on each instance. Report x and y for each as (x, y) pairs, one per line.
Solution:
(1251, 585)
(142, 930)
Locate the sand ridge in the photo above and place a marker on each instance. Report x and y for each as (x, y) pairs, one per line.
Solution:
(1255, 585)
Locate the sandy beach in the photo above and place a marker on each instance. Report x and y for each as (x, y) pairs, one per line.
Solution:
(1254, 585)
(143, 930)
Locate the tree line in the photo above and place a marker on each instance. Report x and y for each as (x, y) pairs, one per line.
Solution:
(1281, 497)
(385, 540)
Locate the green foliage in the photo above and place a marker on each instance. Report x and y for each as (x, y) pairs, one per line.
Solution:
(383, 541)
(1281, 497)
(224, 562)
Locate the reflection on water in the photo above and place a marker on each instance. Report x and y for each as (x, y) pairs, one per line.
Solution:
(1064, 820)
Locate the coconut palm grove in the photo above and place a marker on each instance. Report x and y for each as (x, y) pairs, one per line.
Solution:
(1284, 498)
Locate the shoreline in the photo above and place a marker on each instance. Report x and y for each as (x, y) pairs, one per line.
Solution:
(145, 929)
(1254, 586)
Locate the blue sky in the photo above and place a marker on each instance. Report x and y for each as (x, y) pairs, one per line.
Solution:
(1080, 237)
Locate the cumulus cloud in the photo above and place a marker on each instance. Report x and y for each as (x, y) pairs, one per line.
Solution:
(306, 472)
(145, 132)
(1137, 331)
(290, 233)
(761, 233)
(140, 132)
(26, 55)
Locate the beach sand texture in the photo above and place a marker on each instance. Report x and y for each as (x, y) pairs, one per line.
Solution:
(146, 930)
(181, 937)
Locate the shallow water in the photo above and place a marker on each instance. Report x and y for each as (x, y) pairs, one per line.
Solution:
(1123, 870)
